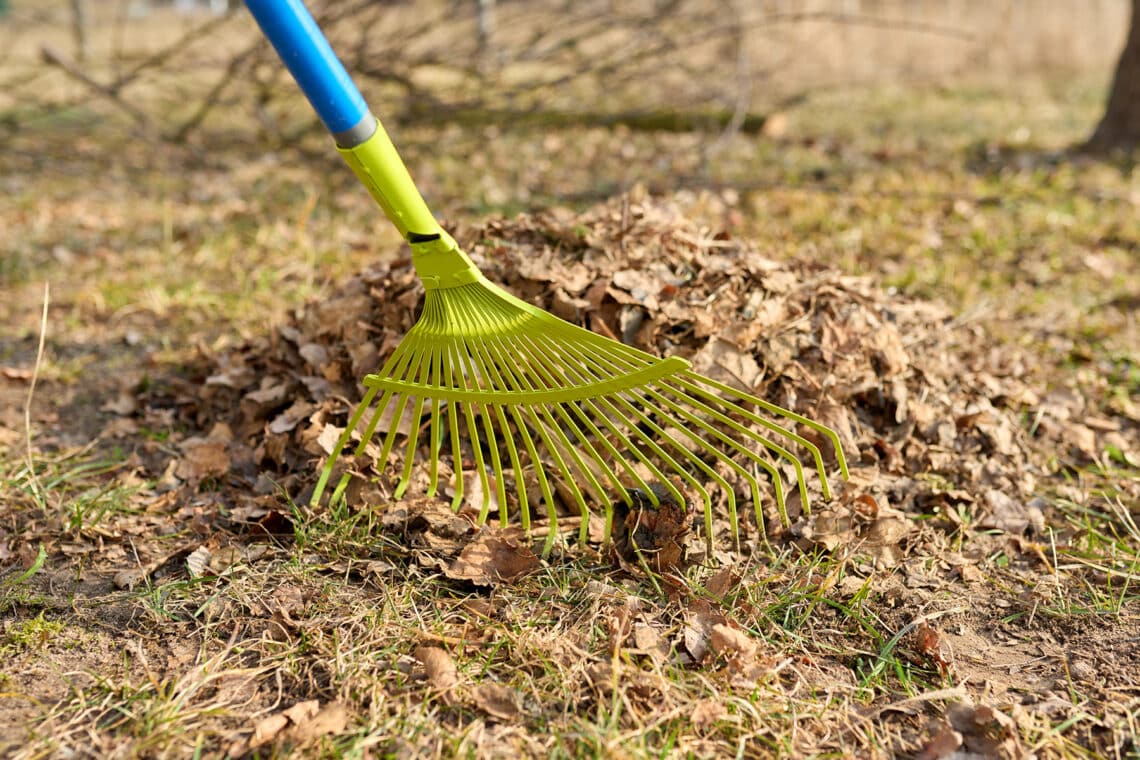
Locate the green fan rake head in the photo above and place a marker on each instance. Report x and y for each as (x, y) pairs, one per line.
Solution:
(590, 417)
(489, 380)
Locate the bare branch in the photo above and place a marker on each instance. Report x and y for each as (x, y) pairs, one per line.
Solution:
(52, 57)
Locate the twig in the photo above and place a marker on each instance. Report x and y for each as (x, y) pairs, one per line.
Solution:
(37, 487)
(212, 98)
(53, 58)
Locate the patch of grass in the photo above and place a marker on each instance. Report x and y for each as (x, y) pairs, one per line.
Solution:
(81, 487)
(1106, 541)
(33, 634)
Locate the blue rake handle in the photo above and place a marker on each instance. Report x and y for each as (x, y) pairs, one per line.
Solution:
(290, 28)
(359, 136)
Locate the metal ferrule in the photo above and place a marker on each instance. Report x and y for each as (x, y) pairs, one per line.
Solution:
(358, 133)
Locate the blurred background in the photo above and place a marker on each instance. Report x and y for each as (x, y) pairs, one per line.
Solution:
(189, 68)
(167, 134)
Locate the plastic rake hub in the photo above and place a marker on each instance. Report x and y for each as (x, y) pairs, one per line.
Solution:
(532, 393)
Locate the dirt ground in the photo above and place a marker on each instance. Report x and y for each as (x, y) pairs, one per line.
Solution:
(962, 315)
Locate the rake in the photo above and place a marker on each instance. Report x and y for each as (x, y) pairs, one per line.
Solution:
(539, 408)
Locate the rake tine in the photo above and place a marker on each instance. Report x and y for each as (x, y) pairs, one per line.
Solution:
(488, 378)
(571, 350)
(414, 437)
(557, 444)
(543, 484)
(669, 438)
(496, 381)
(395, 363)
(754, 485)
(777, 480)
(738, 446)
(455, 378)
(513, 383)
(672, 463)
(491, 413)
(550, 382)
(406, 367)
(341, 441)
(479, 380)
(687, 381)
(434, 443)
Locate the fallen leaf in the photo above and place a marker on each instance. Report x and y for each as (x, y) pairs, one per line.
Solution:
(330, 719)
(720, 582)
(496, 700)
(707, 713)
(943, 744)
(438, 667)
(651, 532)
(729, 641)
(884, 536)
(646, 639)
(198, 562)
(123, 405)
(700, 620)
(302, 711)
(328, 437)
(267, 729)
(291, 417)
(1006, 513)
(931, 645)
(722, 360)
(316, 355)
(16, 373)
(986, 731)
(494, 557)
(203, 459)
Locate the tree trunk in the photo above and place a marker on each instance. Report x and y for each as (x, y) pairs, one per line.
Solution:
(79, 24)
(1120, 125)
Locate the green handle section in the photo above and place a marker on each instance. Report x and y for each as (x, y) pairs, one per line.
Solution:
(378, 166)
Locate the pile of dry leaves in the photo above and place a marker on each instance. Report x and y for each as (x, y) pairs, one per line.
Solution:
(929, 410)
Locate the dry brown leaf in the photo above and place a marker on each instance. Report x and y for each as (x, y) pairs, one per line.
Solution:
(123, 405)
(943, 744)
(203, 459)
(931, 645)
(831, 527)
(302, 711)
(330, 719)
(651, 532)
(495, 556)
(721, 582)
(266, 397)
(1007, 513)
(986, 731)
(498, 701)
(328, 437)
(646, 639)
(198, 562)
(722, 360)
(730, 642)
(428, 524)
(438, 667)
(291, 417)
(267, 729)
(883, 538)
(707, 713)
(700, 620)
(287, 600)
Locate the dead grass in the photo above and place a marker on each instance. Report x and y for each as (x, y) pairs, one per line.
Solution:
(114, 648)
